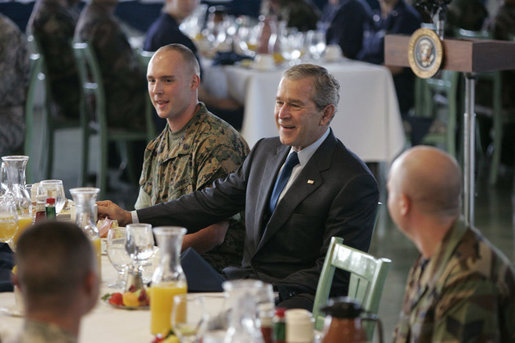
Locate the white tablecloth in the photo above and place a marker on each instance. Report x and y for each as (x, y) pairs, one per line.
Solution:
(367, 120)
(104, 323)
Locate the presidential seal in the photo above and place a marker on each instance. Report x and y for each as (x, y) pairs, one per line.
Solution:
(425, 53)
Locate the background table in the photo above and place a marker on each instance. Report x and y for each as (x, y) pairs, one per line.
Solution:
(104, 323)
(367, 120)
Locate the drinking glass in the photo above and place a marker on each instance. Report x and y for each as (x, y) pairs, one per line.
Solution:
(139, 244)
(189, 317)
(117, 254)
(8, 219)
(316, 42)
(53, 189)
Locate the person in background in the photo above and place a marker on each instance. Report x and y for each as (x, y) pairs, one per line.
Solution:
(347, 26)
(52, 23)
(122, 73)
(298, 190)
(300, 14)
(395, 17)
(165, 30)
(461, 288)
(59, 281)
(193, 150)
(465, 14)
(14, 71)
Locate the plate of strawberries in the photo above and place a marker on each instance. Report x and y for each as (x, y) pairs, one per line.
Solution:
(133, 299)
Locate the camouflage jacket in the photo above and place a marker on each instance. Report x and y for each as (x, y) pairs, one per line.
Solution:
(39, 332)
(178, 163)
(14, 73)
(53, 26)
(464, 293)
(124, 77)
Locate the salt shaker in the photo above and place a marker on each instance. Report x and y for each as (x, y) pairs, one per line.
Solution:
(299, 326)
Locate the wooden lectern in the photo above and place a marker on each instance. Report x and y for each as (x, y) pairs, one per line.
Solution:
(469, 57)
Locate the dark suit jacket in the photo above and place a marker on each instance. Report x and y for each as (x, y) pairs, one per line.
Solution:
(334, 195)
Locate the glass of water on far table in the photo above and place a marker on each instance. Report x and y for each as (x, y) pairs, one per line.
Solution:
(189, 317)
(53, 189)
(117, 254)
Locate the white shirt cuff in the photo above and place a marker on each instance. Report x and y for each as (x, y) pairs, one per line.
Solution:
(134, 215)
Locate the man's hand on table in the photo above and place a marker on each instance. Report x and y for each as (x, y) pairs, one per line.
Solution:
(107, 208)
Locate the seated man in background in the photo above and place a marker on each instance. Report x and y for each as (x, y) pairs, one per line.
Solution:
(14, 72)
(122, 73)
(323, 190)
(52, 23)
(58, 278)
(347, 26)
(194, 149)
(461, 288)
(395, 17)
(165, 30)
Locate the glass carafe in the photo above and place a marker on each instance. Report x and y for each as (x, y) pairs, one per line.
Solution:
(85, 216)
(168, 279)
(15, 169)
(242, 308)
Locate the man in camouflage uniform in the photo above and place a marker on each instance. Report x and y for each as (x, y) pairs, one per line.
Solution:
(122, 73)
(58, 278)
(52, 24)
(14, 73)
(461, 288)
(193, 150)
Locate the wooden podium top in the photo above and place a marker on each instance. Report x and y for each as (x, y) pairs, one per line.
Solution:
(464, 55)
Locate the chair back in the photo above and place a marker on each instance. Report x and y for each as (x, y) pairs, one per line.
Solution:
(367, 278)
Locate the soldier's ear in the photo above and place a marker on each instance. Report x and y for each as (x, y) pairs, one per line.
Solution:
(195, 82)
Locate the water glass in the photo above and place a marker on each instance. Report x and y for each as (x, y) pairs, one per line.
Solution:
(117, 254)
(53, 189)
(140, 243)
(189, 317)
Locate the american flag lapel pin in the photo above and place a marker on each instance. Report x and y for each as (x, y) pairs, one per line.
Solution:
(310, 182)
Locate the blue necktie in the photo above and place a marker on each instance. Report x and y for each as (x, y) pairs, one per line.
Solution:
(282, 180)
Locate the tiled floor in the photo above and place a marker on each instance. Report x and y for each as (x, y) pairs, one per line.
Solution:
(495, 208)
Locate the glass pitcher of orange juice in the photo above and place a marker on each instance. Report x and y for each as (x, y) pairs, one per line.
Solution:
(15, 166)
(168, 279)
(85, 205)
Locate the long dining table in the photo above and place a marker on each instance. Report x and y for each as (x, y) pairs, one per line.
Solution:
(367, 119)
(104, 323)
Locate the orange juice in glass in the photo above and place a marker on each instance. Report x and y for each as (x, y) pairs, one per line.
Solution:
(98, 251)
(161, 303)
(23, 223)
(8, 228)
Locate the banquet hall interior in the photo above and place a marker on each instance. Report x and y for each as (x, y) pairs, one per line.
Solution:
(494, 201)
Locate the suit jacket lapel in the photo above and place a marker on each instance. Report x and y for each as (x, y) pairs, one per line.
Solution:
(273, 164)
(300, 189)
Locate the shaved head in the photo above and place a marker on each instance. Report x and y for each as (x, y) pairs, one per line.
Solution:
(430, 178)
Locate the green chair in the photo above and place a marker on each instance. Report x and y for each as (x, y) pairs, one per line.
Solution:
(35, 77)
(52, 123)
(496, 111)
(92, 84)
(367, 278)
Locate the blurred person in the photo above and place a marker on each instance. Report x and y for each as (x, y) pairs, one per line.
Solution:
(461, 288)
(165, 30)
(122, 73)
(14, 71)
(300, 14)
(193, 150)
(347, 26)
(52, 23)
(323, 190)
(465, 14)
(59, 281)
(394, 17)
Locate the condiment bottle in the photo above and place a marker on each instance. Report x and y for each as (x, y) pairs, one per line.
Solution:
(299, 326)
(40, 208)
(344, 321)
(50, 208)
(279, 333)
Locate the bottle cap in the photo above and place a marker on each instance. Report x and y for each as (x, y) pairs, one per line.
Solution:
(279, 312)
(342, 307)
(50, 201)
